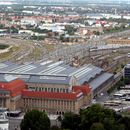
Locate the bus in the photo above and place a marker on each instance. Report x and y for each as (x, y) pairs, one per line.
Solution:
(13, 113)
(119, 95)
(112, 103)
(128, 55)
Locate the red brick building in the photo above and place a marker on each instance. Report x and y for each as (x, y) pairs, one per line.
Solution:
(11, 92)
(14, 95)
(57, 102)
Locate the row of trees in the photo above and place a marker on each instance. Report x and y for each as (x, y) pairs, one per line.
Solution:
(37, 37)
(116, 29)
(41, 30)
(70, 30)
(95, 117)
(11, 29)
(67, 39)
(121, 83)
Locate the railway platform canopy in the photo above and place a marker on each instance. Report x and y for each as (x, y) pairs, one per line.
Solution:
(57, 73)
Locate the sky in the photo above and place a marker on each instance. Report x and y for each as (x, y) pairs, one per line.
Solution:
(70, 0)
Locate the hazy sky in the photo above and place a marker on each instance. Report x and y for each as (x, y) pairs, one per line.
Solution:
(69, 0)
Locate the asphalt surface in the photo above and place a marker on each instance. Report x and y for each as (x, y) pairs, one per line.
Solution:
(14, 124)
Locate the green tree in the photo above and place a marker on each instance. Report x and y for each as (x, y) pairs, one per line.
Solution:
(35, 120)
(96, 113)
(70, 121)
(55, 128)
(2, 26)
(95, 117)
(97, 126)
(122, 66)
(37, 37)
(70, 30)
(96, 32)
(127, 81)
(12, 29)
(126, 122)
(3, 46)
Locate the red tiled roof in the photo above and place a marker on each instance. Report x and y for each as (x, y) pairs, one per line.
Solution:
(15, 87)
(51, 95)
(84, 88)
(78, 91)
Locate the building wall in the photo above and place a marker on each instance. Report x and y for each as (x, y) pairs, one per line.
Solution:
(16, 103)
(10, 94)
(51, 106)
(55, 106)
(48, 87)
(88, 98)
(118, 41)
(4, 99)
(9, 103)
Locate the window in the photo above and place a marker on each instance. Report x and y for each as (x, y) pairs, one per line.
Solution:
(36, 88)
(61, 90)
(57, 89)
(39, 89)
(64, 90)
(51, 89)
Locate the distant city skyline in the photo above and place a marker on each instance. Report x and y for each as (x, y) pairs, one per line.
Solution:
(66, 1)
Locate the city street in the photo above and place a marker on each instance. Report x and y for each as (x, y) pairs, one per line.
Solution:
(14, 123)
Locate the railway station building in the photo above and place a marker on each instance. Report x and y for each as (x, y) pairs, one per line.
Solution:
(57, 87)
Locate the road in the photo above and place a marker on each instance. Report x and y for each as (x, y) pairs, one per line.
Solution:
(14, 123)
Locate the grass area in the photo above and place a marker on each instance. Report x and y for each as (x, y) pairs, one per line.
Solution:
(126, 113)
(3, 46)
(49, 47)
(6, 55)
(36, 54)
